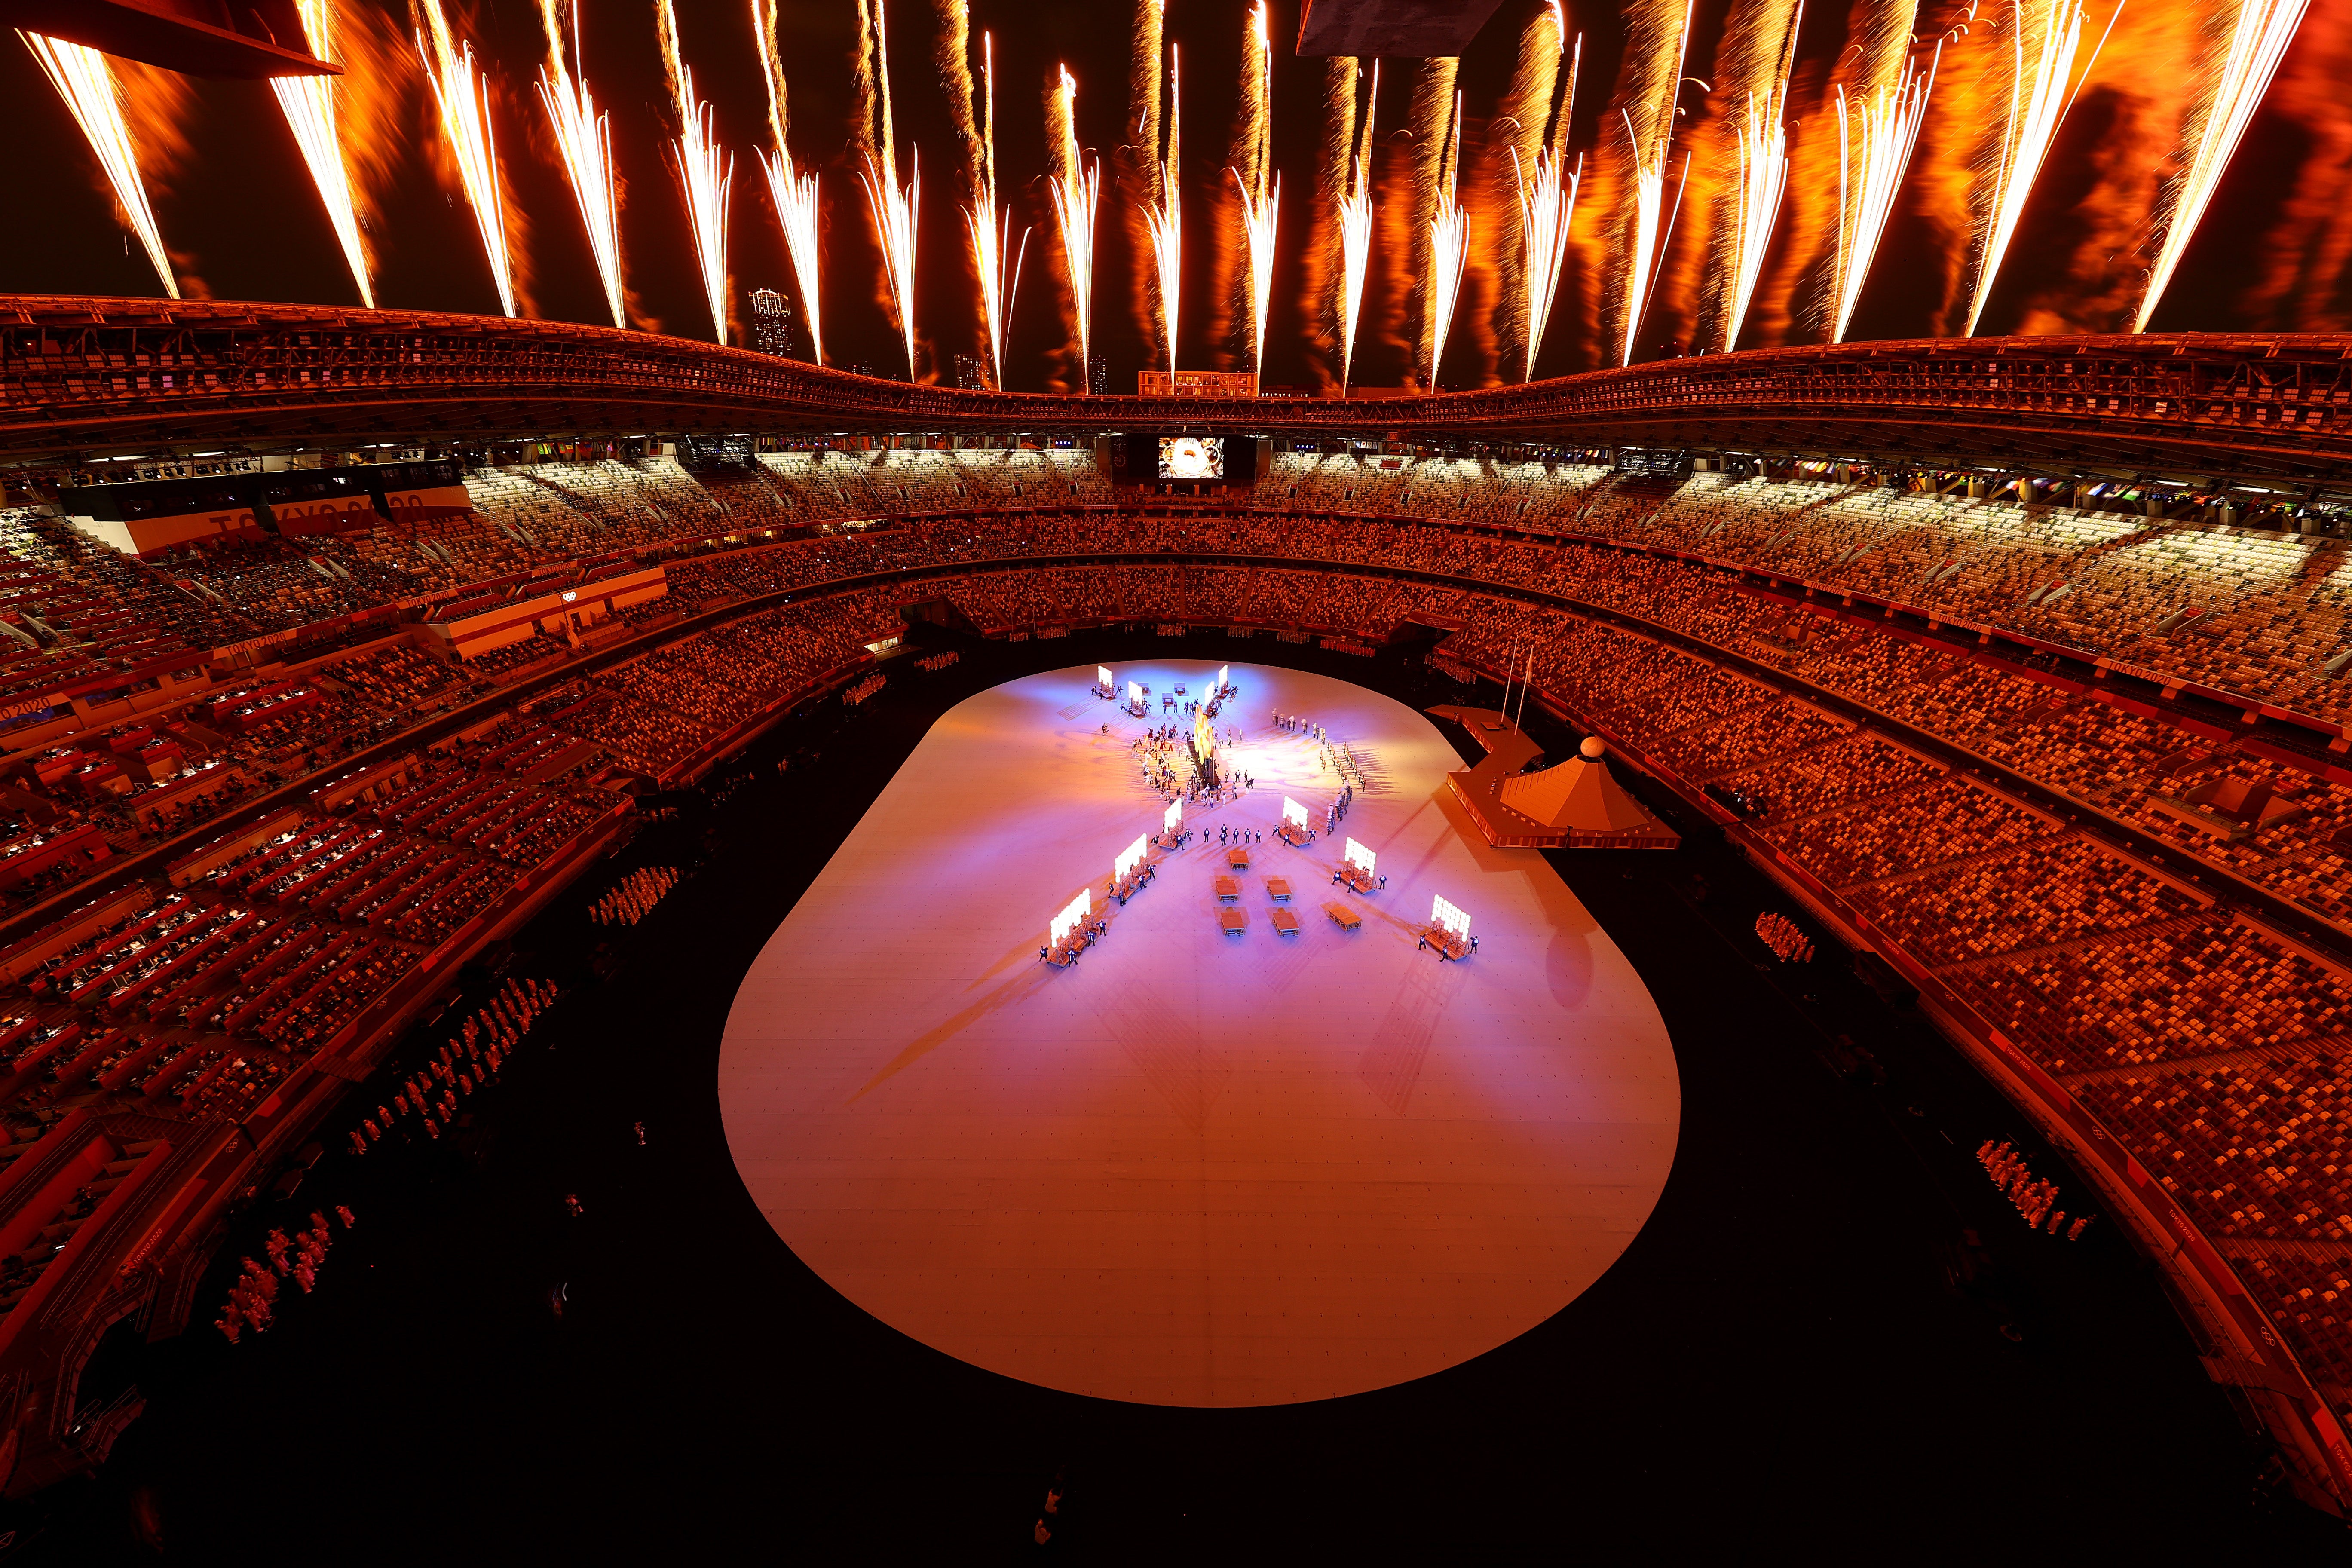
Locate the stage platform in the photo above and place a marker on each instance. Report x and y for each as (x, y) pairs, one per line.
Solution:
(1194, 1169)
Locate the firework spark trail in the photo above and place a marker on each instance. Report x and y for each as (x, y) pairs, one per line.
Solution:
(2264, 28)
(1429, 116)
(1449, 241)
(895, 207)
(1074, 187)
(706, 172)
(1323, 276)
(462, 94)
(989, 227)
(1649, 141)
(583, 140)
(1547, 208)
(953, 56)
(1356, 233)
(1759, 55)
(794, 192)
(84, 81)
(1537, 114)
(1261, 190)
(309, 102)
(2045, 36)
(1516, 142)
(1878, 125)
(1876, 135)
(1165, 222)
(1137, 176)
(2315, 221)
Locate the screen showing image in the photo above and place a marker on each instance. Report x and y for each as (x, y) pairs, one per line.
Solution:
(1192, 458)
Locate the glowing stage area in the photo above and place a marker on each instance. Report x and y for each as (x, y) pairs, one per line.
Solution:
(1193, 1168)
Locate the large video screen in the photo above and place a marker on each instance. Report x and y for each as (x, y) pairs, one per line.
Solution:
(1191, 456)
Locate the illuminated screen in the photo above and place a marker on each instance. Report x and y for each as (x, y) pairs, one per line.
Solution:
(1223, 670)
(1073, 915)
(1293, 813)
(1102, 675)
(1360, 857)
(1452, 917)
(1192, 458)
(1128, 859)
(1135, 693)
(1173, 817)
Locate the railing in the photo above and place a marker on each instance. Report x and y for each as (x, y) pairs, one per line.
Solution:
(75, 372)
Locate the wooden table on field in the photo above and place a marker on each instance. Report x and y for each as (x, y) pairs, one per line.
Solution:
(1285, 922)
(1228, 889)
(1278, 889)
(1232, 922)
(1343, 917)
(1237, 858)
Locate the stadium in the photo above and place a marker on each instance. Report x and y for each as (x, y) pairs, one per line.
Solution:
(628, 946)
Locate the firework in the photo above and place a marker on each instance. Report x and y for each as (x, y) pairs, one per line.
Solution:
(1074, 186)
(1137, 163)
(2264, 30)
(462, 95)
(706, 172)
(893, 207)
(1547, 207)
(1547, 189)
(309, 102)
(794, 192)
(990, 229)
(1533, 116)
(1164, 221)
(1759, 54)
(1261, 190)
(583, 140)
(2045, 36)
(1878, 125)
(1650, 133)
(1322, 296)
(1429, 118)
(1356, 233)
(1448, 247)
(84, 81)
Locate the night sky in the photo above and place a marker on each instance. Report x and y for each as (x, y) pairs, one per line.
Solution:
(237, 209)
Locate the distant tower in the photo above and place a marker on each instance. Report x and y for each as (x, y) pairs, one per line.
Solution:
(771, 324)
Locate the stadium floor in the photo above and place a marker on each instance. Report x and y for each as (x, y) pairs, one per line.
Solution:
(1802, 1349)
(1195, 1168)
